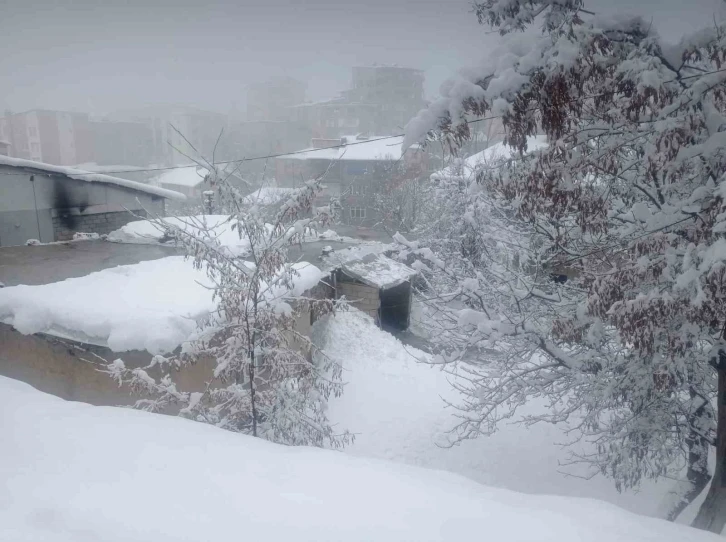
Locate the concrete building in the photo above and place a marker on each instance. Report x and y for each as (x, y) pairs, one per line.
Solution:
(52, 203)
(397, 94)
(269, 100)
(4, 147)
(54, 137)
(381, 100)
(126, 143)
(199, 131)
(353, 168)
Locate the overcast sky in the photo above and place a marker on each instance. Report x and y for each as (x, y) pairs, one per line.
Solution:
(100, 56)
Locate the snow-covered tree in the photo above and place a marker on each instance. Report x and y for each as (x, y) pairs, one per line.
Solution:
(627, 202)
(402, 200)
(264, 379)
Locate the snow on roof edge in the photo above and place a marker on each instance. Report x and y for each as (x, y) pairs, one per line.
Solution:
(378, 271)
(87, 176)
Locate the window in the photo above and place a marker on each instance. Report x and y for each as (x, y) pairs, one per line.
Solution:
(35, 148)
(32, 131)
(357, 189)
(354, 167)
(357, 212)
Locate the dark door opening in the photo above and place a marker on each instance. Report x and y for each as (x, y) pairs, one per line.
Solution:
(395, 307)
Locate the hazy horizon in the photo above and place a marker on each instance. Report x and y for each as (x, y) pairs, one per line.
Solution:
(83, 56)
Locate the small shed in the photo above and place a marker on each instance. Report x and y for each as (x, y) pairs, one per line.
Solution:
(378, 286)
(51, 203)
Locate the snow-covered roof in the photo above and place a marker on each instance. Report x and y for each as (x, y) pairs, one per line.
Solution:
(375, 148)
(153, 305)
(378, 271)
(496, 153)
(89, 177)
(190, 176)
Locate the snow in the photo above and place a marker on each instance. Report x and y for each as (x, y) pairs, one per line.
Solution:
(376, 148)
(73, 472)
(362, 249)
(267, 195)
(220, 229)
(153, 306)
(379, 271)
(152, 231)
(187, 176)
(90, 177)
(495, 154)
(393, 404)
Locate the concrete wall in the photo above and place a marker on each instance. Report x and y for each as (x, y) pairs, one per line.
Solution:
(33, 206)
(70, 370)
(361, 296)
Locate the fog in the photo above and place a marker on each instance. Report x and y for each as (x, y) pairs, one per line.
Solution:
(96, 57)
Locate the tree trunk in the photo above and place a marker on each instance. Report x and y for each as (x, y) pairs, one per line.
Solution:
(697, 474)
(252, 396)
(712, 514)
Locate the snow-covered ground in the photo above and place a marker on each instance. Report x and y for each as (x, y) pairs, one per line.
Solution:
(71, 472)
(394, 405)
(153, 305)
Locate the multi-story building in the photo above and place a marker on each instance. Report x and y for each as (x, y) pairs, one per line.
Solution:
(122, 143)
(353, 169)
(177, 132)
(270, 99)
(396, 93)
(54, 137)
(381, 101)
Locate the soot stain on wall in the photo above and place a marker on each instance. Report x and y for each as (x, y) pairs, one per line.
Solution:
(63, 199)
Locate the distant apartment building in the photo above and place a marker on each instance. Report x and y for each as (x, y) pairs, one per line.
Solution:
(269, 100)
(397, 94)
(177, 132)
(122, 143)
(54, 137)
(381, 101)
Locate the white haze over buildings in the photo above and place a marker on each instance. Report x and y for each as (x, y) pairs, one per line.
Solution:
(98, 57)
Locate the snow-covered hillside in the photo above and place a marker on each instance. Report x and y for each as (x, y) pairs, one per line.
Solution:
(71, 472)
(394, 406)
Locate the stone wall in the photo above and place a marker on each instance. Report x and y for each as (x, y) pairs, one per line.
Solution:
(102, 223)
(361, 296)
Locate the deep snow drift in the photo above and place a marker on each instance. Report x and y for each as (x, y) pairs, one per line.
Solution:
(394, 406)
(153, 305)
(71, 472)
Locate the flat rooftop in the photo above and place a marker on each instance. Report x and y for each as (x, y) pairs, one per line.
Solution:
(43, 264)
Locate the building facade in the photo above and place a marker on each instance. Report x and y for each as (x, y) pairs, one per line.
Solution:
(122, 143)
(354, 171)
(381, 100)
(51, 203)
(269, 100)
(54, 137)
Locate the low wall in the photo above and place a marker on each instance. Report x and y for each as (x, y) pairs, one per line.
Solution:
(361, 296)
(70, 370)
(102, 223)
